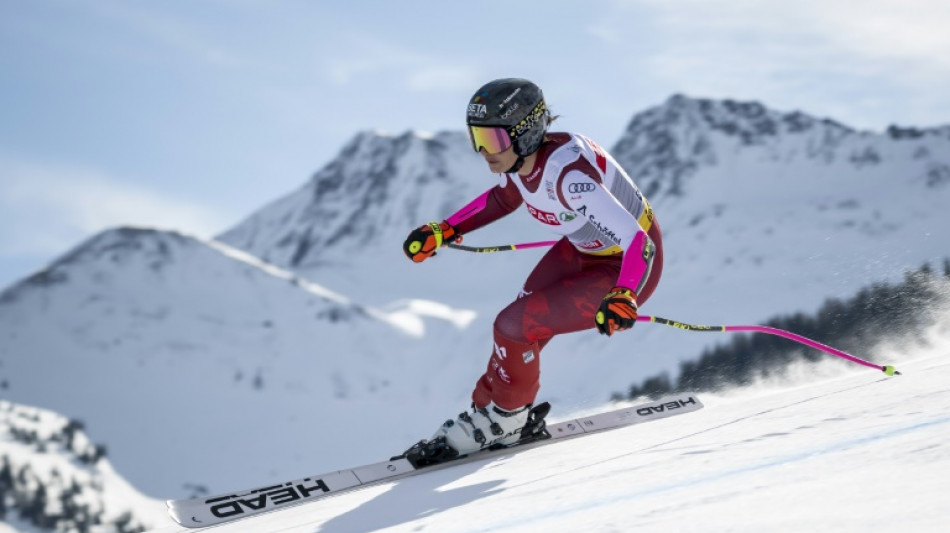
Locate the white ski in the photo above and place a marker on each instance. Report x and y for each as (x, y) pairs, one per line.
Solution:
(209, 511)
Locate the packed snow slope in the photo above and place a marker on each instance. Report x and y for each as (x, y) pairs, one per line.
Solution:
(844, 452)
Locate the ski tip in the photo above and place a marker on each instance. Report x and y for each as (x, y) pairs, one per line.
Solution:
(890, 371)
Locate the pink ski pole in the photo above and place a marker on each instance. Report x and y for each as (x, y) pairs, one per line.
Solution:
(887, 369)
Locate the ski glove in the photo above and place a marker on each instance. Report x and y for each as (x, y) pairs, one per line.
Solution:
(617, 312)
(423, 241)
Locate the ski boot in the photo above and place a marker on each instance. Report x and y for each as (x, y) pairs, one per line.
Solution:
(467, 434)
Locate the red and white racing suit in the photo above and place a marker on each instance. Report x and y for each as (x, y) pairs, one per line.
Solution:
(611, 238)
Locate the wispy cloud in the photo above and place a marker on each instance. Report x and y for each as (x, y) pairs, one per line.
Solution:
(419, 71)
(861, 62)
(175, 30)
(45, 209)
(871, 29)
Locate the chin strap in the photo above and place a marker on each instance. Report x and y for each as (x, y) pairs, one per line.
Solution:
(517, 166)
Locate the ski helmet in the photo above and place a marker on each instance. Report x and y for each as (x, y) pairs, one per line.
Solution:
(514, 104)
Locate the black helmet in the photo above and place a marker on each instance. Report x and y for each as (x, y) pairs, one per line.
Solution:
(515, 104)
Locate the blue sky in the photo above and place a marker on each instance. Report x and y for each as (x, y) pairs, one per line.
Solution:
(190, 114)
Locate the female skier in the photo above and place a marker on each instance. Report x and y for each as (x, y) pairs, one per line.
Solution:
(610, 256)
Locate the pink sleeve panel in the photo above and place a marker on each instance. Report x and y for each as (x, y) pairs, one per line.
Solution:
(493, 204)
(475, 206)
(637, 260)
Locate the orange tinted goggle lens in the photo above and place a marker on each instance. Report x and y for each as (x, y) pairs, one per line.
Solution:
(493, 139)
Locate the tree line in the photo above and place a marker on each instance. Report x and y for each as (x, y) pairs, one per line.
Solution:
(856, 324)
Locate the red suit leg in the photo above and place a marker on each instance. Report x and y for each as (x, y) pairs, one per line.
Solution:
(561, 295)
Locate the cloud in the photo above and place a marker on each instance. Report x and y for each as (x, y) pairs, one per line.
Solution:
(872, 29)
(443, 78)
(865, 63)
(46, 209)
(369, 57)
(913, 30)
(181, 30)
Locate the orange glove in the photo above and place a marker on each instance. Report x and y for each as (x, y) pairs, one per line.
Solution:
(617, 312)
(423, 241)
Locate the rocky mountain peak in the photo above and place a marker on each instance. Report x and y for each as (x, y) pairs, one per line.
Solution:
(378, 182)
(664, 146)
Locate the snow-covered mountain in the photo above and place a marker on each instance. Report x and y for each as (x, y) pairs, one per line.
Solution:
(767, 212)
(52, 477)
(762, 212)
(183, 355)
(345, 226)
(319, 345)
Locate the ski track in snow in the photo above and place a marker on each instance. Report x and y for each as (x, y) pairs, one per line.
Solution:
(855, 453)
(592, 504)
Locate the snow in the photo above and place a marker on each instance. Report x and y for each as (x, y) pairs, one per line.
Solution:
(859, 452)
(41, 452)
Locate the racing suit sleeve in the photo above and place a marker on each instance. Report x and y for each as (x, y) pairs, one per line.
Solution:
(592, 200)
(492, 205)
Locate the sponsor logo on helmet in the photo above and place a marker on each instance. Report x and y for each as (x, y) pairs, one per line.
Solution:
(510, 110)
(508, 99)
(529, 121)
(566, 216)
(477, 110)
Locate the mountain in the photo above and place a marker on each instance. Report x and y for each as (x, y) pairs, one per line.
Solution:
(184, 355)
(302, 339)
(377, 184)
(762, 212)
(666, 146)
(766, 212)
(354, 214)
(52, 477)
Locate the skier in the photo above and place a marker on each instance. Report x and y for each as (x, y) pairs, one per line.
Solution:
(609, 259)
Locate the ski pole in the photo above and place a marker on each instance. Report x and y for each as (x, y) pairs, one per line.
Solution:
(501, 248)
(887, 369)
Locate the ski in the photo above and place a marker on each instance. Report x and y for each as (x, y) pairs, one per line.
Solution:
(214, 510)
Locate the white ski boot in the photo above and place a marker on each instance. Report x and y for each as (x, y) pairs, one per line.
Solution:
(488, 428)
(483, 428)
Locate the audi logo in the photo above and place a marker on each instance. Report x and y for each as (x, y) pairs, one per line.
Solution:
(577, 188)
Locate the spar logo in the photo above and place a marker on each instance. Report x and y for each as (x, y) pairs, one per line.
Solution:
(543, 216)
(591, 245)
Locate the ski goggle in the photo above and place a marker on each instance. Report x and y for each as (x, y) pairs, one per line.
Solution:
(493, 139)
